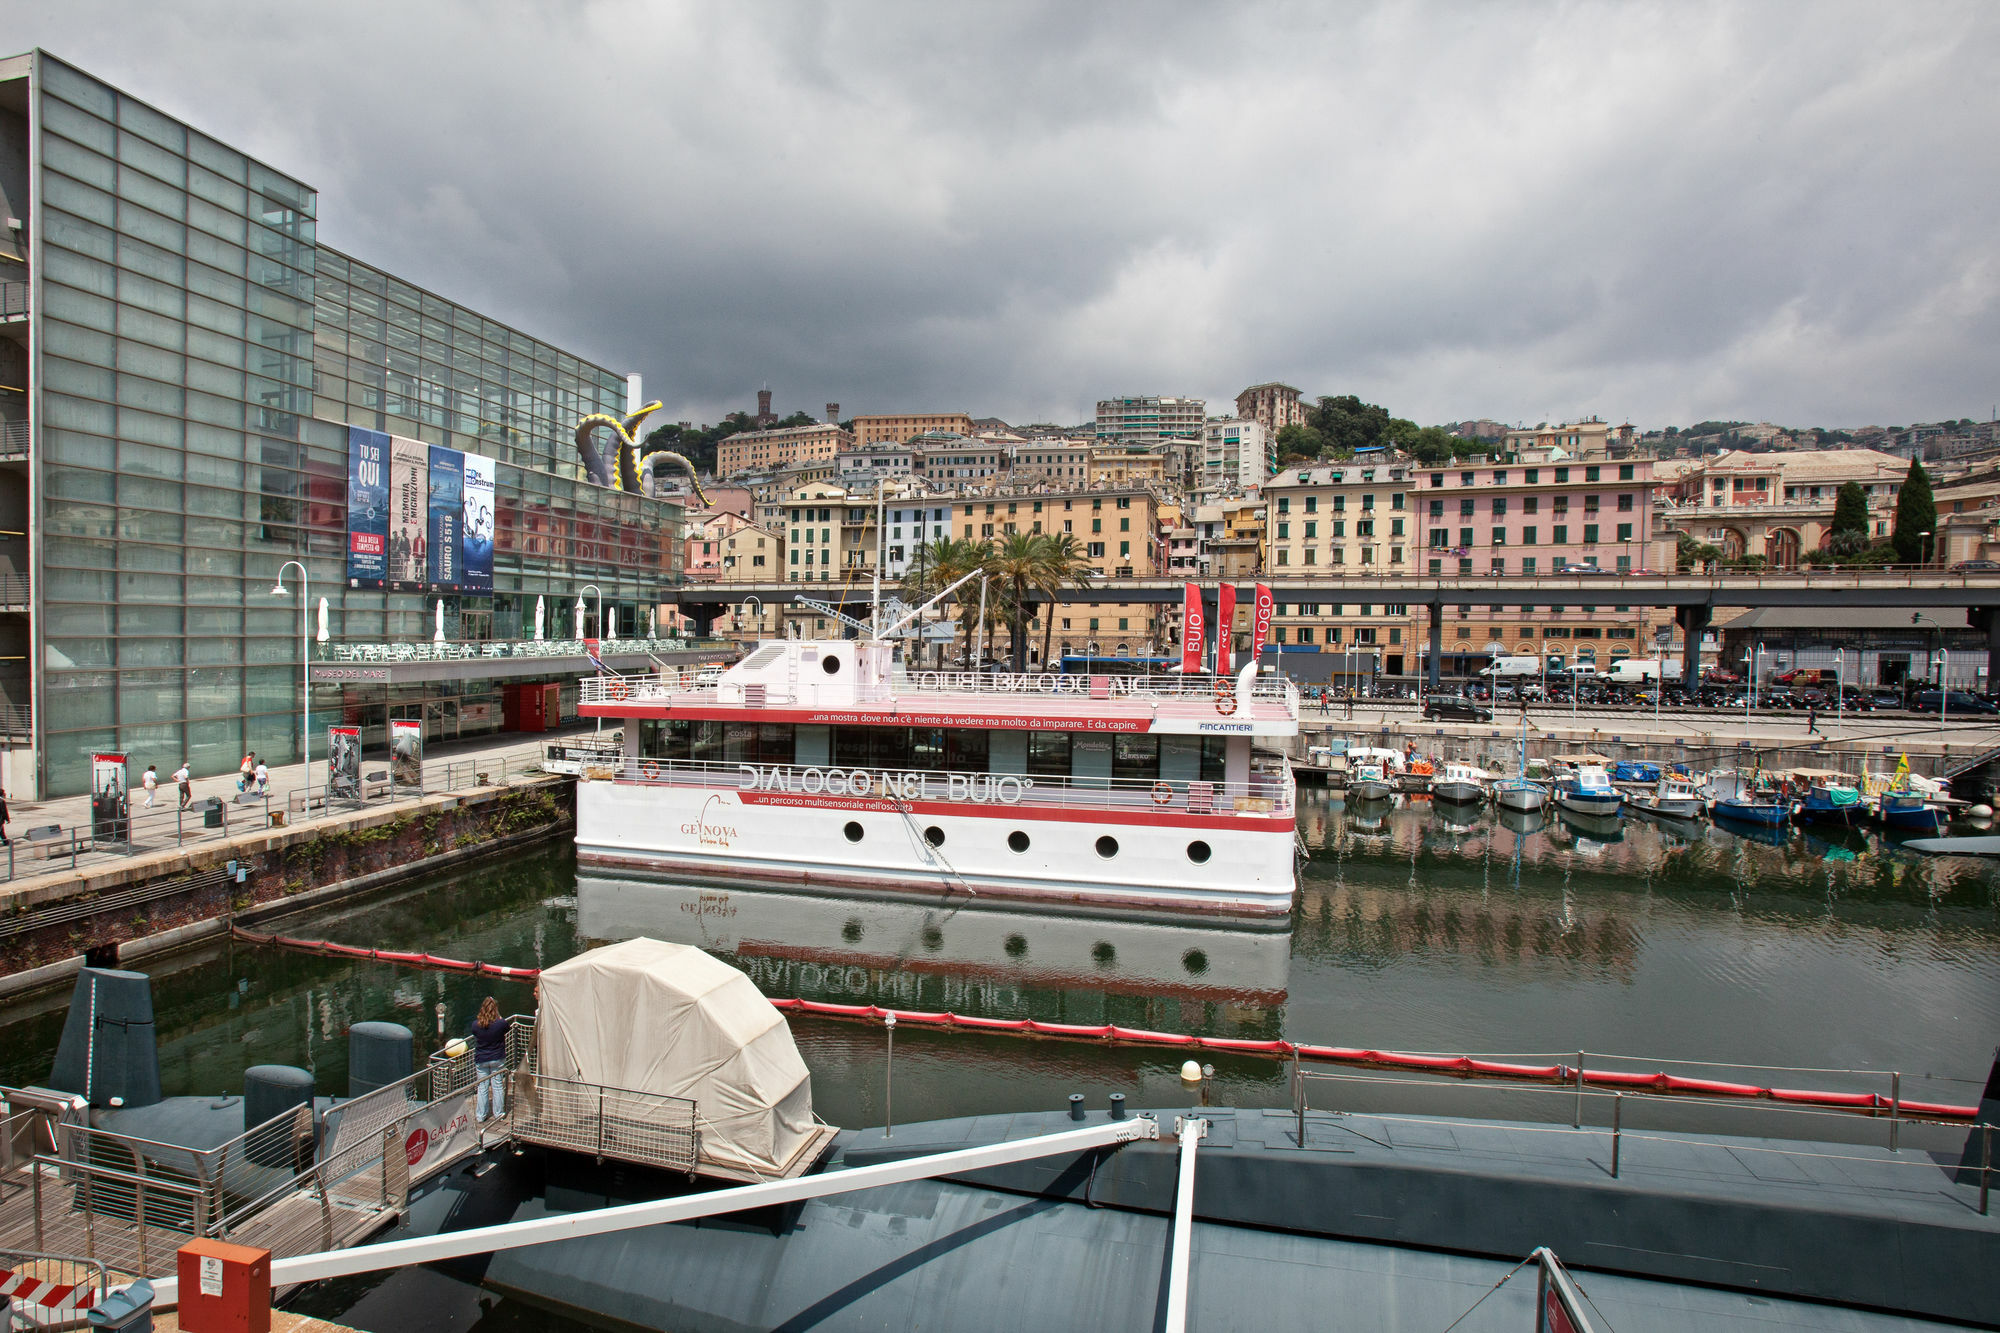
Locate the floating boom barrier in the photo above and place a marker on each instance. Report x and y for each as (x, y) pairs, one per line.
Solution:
(1463, 1066)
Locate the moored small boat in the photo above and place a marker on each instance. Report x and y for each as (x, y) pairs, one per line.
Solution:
(1827, 797)
(1909, 811)
(1588, 791)
(1520, 795)
(1369, 781)
(1461, 784)
(1673, 798)
(1767, 811)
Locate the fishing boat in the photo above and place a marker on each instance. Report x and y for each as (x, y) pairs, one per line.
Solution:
(1520, 794)
(1461, 784)
(1369, 780)
(1418, 778)
(1765, 809)
(1635, 771)
(1587, 790)
(813, 763)
(1673, 797)
(1909, 811)
(1827, 797)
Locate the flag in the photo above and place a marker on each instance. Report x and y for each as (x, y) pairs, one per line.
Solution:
(1902, 769)
(598, 662)
(1225, 629)
(1192, 629)
(1260, 621)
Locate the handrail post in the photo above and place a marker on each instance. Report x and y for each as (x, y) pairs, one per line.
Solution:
(1895, 1109)
(1576, 1121)
(1985, 1169)
(1299, 1096)
(1617, 1129)
(35, 1175)
(139, 1194)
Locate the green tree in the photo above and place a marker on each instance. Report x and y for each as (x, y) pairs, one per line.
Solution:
(1299, 444)
(1916, 515)
(1850, 509)
(1067, 567)
(942, 563)
(1347, 424)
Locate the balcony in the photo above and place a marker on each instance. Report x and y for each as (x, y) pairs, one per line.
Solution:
(13, 439)
(15, 594)
(13, 301)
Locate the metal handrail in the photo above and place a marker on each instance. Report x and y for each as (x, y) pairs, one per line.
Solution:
(686, 687)
(1010, 789)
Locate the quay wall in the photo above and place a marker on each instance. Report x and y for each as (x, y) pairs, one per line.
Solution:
(168, 899)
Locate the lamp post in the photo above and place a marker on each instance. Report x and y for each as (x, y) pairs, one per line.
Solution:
(305, 663)
(589, 587)
(1944, 693)
(1928, 548)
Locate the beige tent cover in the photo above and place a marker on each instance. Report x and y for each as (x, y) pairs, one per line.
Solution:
(667, 1018)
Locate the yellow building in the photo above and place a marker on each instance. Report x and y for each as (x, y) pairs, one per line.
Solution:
(902, 428)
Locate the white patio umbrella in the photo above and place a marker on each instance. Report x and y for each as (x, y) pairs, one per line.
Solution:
(611, 624)
(322, 620)
(437, 635)
(653, 624)
(538, 618)
(579, 616)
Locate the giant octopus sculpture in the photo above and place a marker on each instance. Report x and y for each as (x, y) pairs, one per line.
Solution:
(632, 463)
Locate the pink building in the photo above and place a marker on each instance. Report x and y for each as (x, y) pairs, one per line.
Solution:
(705, 536)
(1537, 517)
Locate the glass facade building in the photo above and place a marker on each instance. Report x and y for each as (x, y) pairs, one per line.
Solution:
(180, 361)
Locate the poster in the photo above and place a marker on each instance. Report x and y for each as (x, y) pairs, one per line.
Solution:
(1225, 629)
(447, 515)
(367, 507)
(343, 763)
(476, 562)
(409, 513)
(406, 753)
(107, 796)
(1192, 629)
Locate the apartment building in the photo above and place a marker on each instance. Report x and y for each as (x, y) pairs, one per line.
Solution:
(1778, 505)
(957, 460)
(1150, 418)
(1123, 464)
(905, 427)
(1349, 520)
(1273, 406)
(911, 524)
(1057, 460)
(750, 450)
(1590, 438)
(1237, 454)
(706, 534)
(864, 467)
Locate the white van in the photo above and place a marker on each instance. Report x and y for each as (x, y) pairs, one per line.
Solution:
(1507, 668)
(1633, 671)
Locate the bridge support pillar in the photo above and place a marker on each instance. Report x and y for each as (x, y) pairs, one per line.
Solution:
(1986, 619)
(703, 615)
(1693, 622)
(1437, 643)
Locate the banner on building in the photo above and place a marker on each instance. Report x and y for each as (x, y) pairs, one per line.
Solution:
(343, 763)
(367, 507)
(107, 796)
(1260, 621)
(1225, 629)
(409, 513)
(476, 524)
(406, 753)
(1192, 629)
(447, 517)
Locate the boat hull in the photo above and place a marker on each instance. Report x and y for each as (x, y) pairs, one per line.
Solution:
(1154, 861)
(1521, 800)
(1762, 815)
(1840, 816)
(1916, 816)
(1373, 789)
(1669, 807)
(1590, 803)
(1458, 793)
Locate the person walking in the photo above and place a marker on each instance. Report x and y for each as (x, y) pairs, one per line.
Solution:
(489, 1056)
(185, 781)
(5, 841)
(1812, 720)
(244, 770)
(1350, 703)
(263, 777)
(150, 782)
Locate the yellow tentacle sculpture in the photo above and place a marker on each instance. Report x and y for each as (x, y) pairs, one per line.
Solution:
(629, 470)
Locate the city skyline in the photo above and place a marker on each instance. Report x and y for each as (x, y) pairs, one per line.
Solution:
(1525, 213)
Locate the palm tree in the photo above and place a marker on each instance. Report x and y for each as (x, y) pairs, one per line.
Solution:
(1021, 564)
(943, 563)
(1067, 568)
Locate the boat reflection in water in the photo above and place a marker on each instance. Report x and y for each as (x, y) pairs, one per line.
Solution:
(971, 960)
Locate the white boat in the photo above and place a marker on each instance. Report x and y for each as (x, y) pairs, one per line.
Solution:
(1461, 784)
(808, 763)
(1587, 790)
(1370, 780)
(1673, 798)
(1520, 795)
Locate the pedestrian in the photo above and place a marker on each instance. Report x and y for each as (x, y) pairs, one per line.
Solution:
(244, 770)
(1812, 720)
(1350, 703)
(5, 841)
(150, 782)
(489, 1056)
(263, 777)
(185, 781)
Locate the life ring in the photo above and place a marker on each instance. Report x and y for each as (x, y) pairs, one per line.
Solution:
(1225, 698)
(651, 770)
(618, 689)
(1163, 792)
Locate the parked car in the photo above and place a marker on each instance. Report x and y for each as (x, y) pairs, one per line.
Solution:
(1885, 698)
(1975, 566)
(1929, 701)
(1455, 708)
(1717, 676)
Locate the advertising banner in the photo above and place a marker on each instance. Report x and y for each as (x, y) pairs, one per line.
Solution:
(1225, 629)
(409, 513)
(1192, 629)
(343, 763)
(406, 753)
(440, 1134)
(447, 517)
(367, 507)
(107, 796)
(1260, 621)
(476, 561)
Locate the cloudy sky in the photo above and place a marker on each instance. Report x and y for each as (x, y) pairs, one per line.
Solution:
(1658, 213)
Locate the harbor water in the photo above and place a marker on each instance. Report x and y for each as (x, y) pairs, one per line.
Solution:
(1415, 929)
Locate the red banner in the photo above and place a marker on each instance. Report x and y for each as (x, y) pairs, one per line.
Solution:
(1260, 631)
(1191, 630)
(1225, 629)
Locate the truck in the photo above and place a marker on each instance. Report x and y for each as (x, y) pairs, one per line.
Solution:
(1633, 671)
(1512, 668)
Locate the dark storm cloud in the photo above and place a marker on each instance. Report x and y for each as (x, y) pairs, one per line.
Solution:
(1654, 213)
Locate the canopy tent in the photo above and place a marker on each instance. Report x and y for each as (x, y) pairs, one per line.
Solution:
(668, 1019)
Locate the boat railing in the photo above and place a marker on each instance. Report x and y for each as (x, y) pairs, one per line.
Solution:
(697, 685)
(1266, 791)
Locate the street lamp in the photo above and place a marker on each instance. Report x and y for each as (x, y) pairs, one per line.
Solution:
(305, 663)
(589, 587)
(1943, 662)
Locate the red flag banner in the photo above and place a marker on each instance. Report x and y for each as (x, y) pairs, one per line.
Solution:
(1260, 632)
(1192, 630)
(1225, 629)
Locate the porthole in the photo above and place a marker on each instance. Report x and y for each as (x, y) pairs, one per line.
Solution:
(830, 664)
(1018, 841)
(853, 831)
(1016, 945)
(1104, 953)
(1107, 846)
(934, 836)
(1195, 961)
(1198, 851)
(933, 938)
(851, 931)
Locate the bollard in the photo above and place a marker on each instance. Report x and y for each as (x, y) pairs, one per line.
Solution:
(1617, 1129)
(1076, 1106)
(1117, 1106)
(1895, 1109)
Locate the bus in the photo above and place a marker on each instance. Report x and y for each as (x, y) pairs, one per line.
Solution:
(1120, 666)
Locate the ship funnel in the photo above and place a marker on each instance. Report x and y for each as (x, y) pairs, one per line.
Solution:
(108, 1052)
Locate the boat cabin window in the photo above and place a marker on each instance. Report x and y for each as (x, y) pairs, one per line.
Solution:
(1135, 757)
(1052, 754)
(1048, 754)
